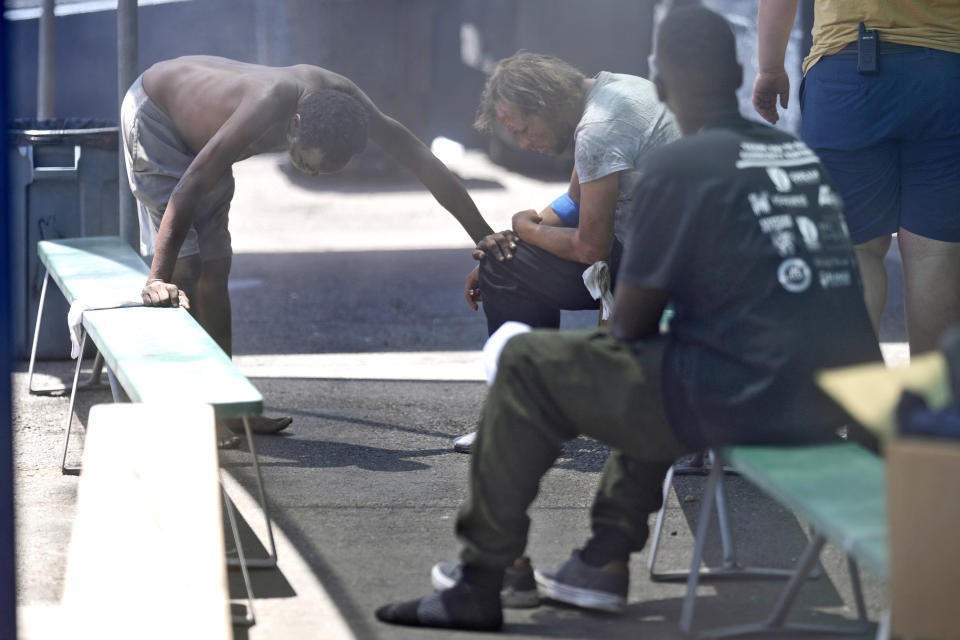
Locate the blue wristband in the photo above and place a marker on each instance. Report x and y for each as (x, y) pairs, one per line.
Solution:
(567, 210)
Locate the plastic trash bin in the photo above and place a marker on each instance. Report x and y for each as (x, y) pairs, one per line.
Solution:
(63, 183)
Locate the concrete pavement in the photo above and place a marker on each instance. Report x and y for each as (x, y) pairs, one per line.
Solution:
(349, 316)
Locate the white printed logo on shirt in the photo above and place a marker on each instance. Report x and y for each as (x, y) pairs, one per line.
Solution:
(794, 275)
(808, 229)
(784, 243)
(780, 179)
(760, 203)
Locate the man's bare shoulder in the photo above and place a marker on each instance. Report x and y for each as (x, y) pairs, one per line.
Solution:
(200, 93)
(185, 74)
(187, 71)
(314, 78)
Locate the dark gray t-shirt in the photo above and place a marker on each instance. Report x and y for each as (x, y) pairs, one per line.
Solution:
(740, 225)
(622, 120)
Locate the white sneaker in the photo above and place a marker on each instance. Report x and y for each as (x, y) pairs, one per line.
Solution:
(463, 444)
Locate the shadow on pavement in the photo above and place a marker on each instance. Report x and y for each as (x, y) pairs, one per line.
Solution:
(357, 302)
(339, 454)
(397, 182)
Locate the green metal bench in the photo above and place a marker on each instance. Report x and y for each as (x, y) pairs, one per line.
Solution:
(838, 490)
(160, 356)
(86, 269)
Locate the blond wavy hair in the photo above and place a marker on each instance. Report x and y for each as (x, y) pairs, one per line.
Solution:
(536, 84)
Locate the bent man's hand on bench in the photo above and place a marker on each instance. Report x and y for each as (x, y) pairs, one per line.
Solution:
(157, 293)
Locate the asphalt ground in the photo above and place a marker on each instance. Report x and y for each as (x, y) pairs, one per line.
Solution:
(349, 316)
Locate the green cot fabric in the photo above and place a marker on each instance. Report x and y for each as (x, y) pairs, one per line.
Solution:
(838, 488)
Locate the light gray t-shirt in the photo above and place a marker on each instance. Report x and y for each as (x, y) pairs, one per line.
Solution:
(622, 120)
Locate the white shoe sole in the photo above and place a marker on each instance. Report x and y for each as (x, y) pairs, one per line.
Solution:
(577, 596)
(464, 443)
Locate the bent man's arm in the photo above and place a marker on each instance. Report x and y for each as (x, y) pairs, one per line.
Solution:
(407, 150)
(592, 238)
(501, 246)
(636, 312)
(774, 22)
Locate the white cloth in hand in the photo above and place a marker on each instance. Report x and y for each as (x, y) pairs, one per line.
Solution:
(597, 280)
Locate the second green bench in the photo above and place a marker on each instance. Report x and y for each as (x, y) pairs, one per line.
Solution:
(839, 490)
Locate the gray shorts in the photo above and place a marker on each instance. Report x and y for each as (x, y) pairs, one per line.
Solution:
(156, 159)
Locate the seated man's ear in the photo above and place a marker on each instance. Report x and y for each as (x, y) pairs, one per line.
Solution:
(294, 127)
(661, 88)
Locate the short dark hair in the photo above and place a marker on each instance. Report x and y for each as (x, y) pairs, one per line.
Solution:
(335, 122)
(534, 83)
(698, 44)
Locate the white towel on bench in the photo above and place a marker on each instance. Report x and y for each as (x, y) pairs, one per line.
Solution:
(75, 317)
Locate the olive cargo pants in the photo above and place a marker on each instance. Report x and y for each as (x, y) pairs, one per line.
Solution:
(552, 386)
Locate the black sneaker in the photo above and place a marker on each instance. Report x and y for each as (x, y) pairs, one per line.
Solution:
(462, 607)
(577, 583)
(519, 587)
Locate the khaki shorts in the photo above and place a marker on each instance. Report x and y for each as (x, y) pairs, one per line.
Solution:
(156, 158)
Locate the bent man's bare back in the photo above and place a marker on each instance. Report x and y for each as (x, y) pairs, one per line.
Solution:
(200, 93)
(225, 111)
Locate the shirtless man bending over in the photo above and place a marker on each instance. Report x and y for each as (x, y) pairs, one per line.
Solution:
(186, 121)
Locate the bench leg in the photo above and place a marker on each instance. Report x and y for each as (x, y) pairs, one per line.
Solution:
(726, 535)
(730, 569)
(658, 527)
(696, 467)
(250, 619)
(775, 623)
(271, 560)
(857, 589)
(36, 334)
(115, 390)
(883, 629)
(117, 397)
(806, 562)
(693, 577)
(73, 397)
(92, 383)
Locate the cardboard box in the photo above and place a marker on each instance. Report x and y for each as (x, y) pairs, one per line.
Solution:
(923, 512)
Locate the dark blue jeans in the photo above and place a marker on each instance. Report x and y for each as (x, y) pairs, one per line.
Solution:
(534, 285)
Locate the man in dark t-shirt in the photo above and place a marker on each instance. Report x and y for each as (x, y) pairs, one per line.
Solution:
(742, 229)
(739, 229)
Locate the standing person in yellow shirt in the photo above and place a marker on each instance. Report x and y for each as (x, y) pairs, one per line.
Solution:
(881, 107)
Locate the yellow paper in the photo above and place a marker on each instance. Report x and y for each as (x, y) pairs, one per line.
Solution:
(870, 392)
